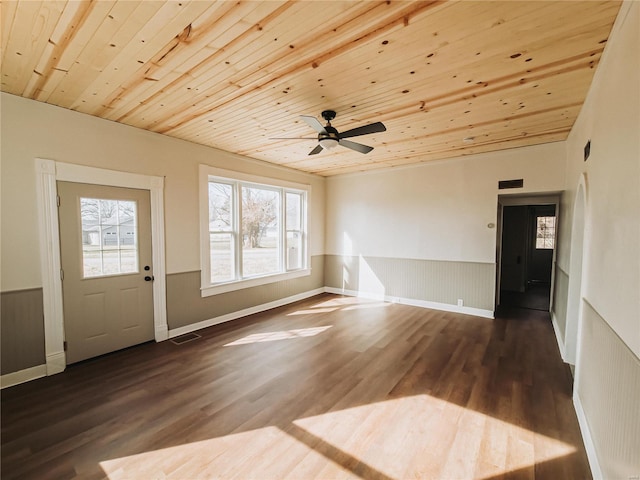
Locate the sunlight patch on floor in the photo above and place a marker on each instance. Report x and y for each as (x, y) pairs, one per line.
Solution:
(365, 306)
(281, 335)
(311, 311)
(410, 437)
(338, 302)
(432, 438)
(243, 455)
(350, 303)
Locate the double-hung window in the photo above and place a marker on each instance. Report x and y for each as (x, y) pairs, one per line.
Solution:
(253, 230)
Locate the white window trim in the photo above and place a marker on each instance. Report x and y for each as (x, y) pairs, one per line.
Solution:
(206, 289)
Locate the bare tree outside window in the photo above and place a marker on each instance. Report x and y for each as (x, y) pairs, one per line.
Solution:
(260, 231)
(221, 236)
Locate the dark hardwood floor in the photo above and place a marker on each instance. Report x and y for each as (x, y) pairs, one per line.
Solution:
(331, 387)
(535, 297)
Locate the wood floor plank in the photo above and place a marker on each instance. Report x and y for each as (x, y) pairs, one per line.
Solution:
(329, 387)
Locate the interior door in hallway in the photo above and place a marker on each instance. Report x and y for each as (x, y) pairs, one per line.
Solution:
(105, 251)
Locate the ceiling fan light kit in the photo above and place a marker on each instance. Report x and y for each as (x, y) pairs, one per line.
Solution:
(328, 143)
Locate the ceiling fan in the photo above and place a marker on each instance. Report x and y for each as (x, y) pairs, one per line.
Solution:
(329, 137)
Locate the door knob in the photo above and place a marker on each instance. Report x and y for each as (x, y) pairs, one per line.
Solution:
(149, 278)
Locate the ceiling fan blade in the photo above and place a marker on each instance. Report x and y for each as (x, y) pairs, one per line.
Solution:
(293, 138)
(364, 130)
(316, 150)
(358, 147)
(314, 123)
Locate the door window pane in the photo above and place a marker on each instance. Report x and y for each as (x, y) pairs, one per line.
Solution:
(260, 231)
(109, 237)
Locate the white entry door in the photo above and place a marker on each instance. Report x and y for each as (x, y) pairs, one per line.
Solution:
(105, 251)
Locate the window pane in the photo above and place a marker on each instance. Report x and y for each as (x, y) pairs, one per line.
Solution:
(92, 261)
(220, 206)
(221, 251)
(110, 262)
(294, 250)
(260, 231)
(109, 237)
(294, 210)
(545, 232)
(128, 260)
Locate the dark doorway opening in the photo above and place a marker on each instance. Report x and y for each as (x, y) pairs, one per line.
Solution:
(528, 244)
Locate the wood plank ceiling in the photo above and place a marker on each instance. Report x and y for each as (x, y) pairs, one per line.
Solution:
(235, 74)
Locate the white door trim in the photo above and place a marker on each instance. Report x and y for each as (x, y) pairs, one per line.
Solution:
(48, 172)
(551, 198)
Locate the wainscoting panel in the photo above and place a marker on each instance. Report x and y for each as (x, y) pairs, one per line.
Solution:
(22, 330)
(608, 387)
(185, 305)
(428, 280)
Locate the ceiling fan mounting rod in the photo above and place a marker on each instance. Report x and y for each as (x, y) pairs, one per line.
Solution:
(329, 115)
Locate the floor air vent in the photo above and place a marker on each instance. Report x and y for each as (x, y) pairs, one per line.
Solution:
(185, 338)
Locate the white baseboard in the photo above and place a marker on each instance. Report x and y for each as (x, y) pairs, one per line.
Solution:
(559, 339)
(446, 307)
(22, 376)
(243, 313)
(589, 446)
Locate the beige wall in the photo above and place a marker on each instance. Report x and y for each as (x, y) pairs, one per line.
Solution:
(32, 129)
(438, 211)
(608, 365)
(185, 305)
(435, 211)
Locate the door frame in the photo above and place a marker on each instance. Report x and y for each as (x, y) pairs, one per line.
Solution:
(507, 200)
(48, 172)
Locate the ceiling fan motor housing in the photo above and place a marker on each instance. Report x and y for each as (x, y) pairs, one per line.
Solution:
(329, 132)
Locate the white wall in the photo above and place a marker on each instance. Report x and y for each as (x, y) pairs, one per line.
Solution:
(32, 129)
(607, 380)
(610, 118)
(435, 211)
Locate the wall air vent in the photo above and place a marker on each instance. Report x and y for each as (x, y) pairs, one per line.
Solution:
(503, 184)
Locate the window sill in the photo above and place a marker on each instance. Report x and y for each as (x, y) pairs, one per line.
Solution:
(252, 282)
